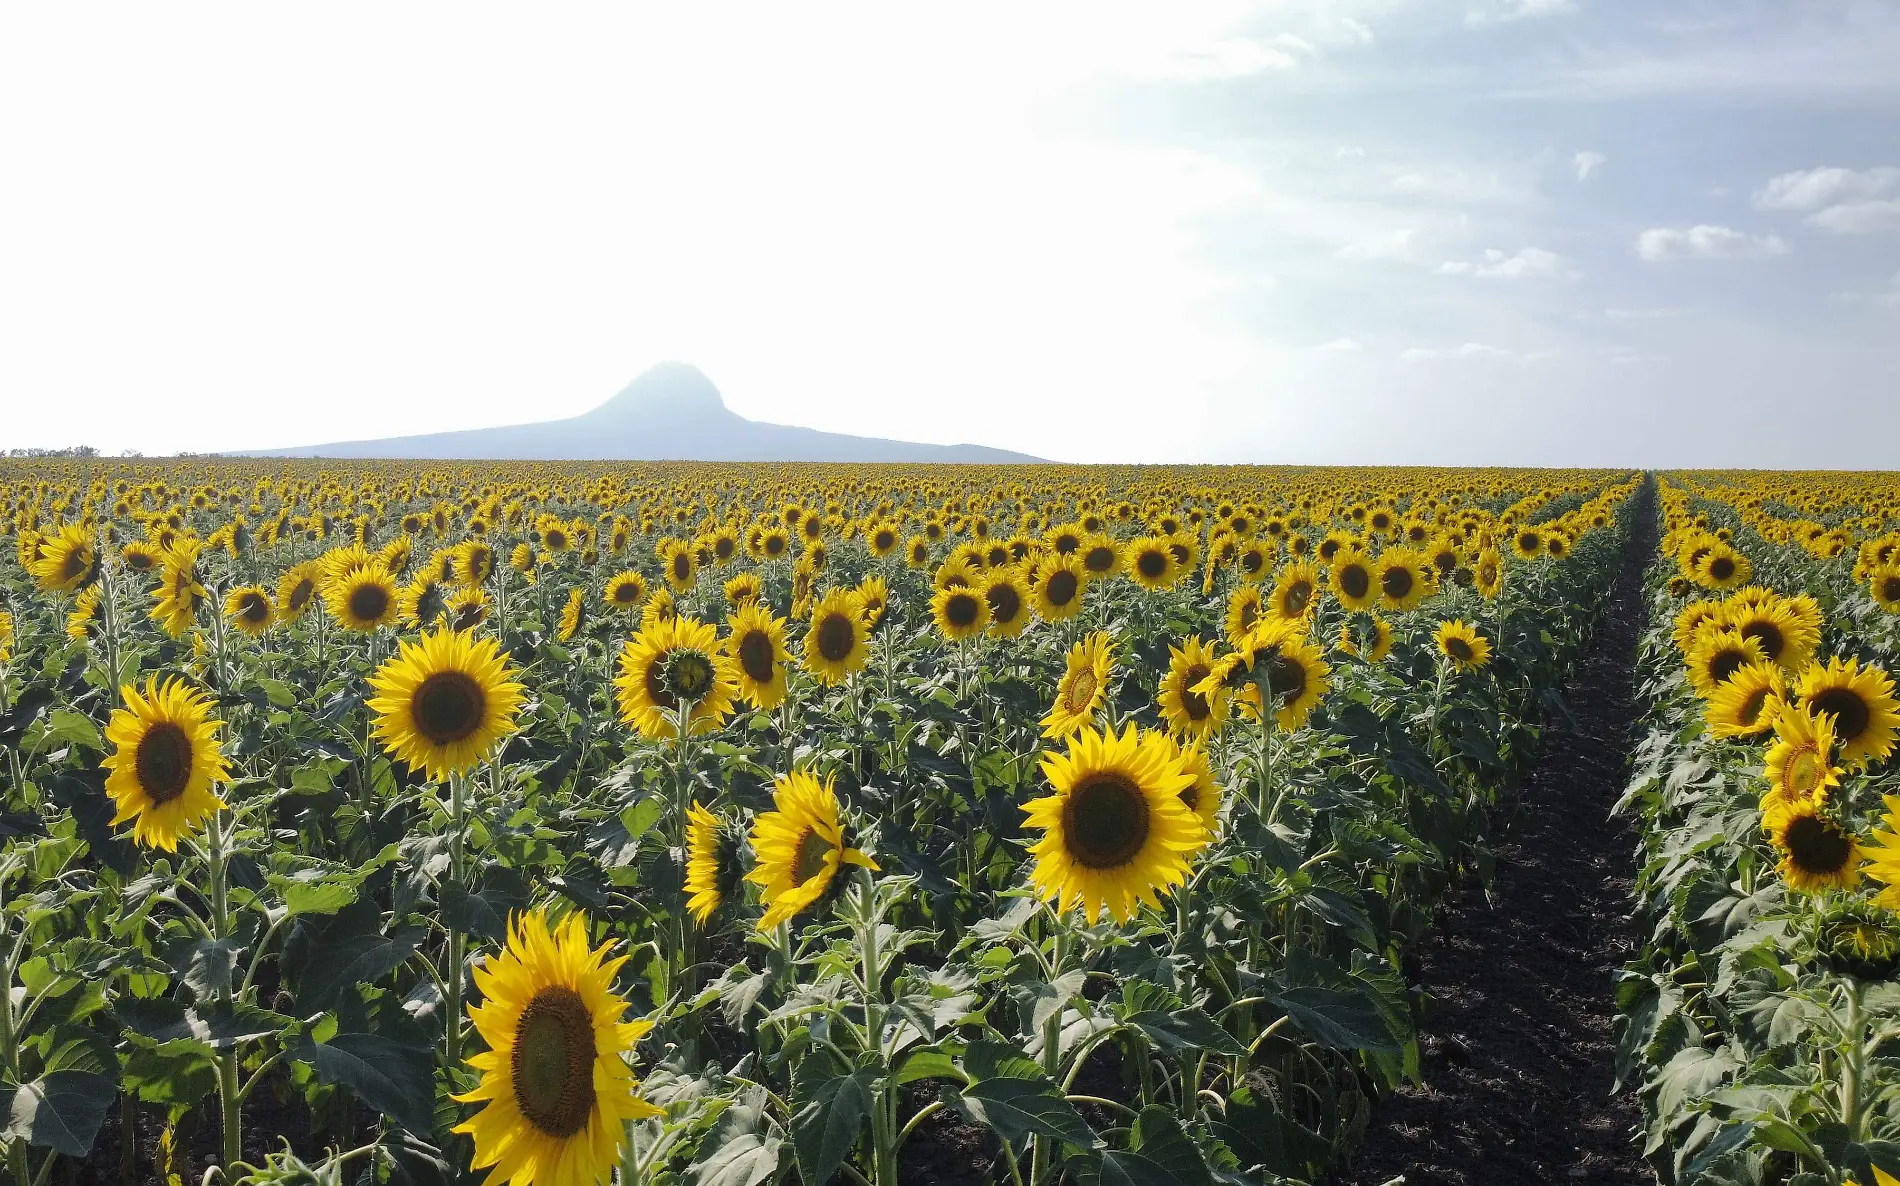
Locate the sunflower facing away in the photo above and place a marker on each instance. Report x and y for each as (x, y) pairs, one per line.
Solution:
(799, 847)
(1463, 646)
(573, 615)
(1746, 703)
(441, 701)
(839, 641)
(1083, 687)
(557, 1089)
(960, 612)
(166, 758)
(1187, 712)
(757, 646)
(1816, 852)
(1861, 701)
(1116, 829)
(671, 661)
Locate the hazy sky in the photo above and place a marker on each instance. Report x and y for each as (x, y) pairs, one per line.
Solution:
(1499, 231)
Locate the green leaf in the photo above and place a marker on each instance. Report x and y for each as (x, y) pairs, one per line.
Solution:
(1338, 1019)
(74, 728)
(391, 1077)
(61, 1111)
(738, 1151)
(1009, 1093)
(1185, 1029)
(638, 817)
(927, 1062)
(208, 1025)
(826, 1128)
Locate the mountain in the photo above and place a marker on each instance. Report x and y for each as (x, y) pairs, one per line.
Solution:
(670, 413)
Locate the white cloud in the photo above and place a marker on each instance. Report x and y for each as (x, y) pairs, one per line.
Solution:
(1706, 242)
(1860, 218)
(1643, 314)
(1499, 12)
(1888, 296)
(1811, 189)
(1587, 163)
(1340, 346)
(1530, 263)
(1349, 150)
(1471, 350)
(1356, 31)
(1399, 244)
(1230, 57)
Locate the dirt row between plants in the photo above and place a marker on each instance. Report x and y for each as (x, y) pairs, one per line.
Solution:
(1518, 1035)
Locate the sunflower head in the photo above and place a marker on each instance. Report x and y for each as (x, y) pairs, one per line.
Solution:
(1854, 937)
(1816, 852)
(1354, 581)
(713, 875)
(1462, 646)
(1187, 711)
(1083, 688)
(625, 591)
(362, 598)
(757, 647)
(670, 663)
(165, 761)
(442, 701)
(838, 642)
(1747, 703)
(1009, 602)
(1861, 701)
(799, 847)
(1367, 636)
(249, 609)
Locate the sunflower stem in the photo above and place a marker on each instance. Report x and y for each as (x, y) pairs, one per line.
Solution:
(452, 973)
(230, 1097)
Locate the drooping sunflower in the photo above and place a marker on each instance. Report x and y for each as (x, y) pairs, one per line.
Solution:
(1816, 852)
(1246, 606)
(838, 642)
(1187, 712)
(1296, 592)
(249, 609)
(166, 758)
(1462, 645)
(1009, 599)
(558, 1090)
(1746, 703)
(712, 864)
(1060, 583)
(1861, 701)
(799, 847)
(1404, 579)
(67, 560)
(625, 591)
(669, 662)
(443, 700)
(296, 589)
(1799, 765)
(1116, 830)
(1151, 563)
(757, 646)
(362, 598)
(573, 615)
(1354, 581)
(1367, 636)
(1717, 655)
(1083, 688)
(960, 612)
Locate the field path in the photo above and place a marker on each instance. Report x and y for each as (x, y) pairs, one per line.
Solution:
(1518, 1040)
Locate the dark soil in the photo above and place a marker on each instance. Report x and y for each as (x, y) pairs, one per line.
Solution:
(1518, 1041)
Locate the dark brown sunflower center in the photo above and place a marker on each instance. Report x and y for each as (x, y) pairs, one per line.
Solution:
(553, 1062)
(1529, 541)
(449, 706)
(755, 656)
(1726, 663)
(962, 610)
(1099, 559)
(626, 593)
(163, 762)
(1105, 821)
(1817, 846)
(1153, 564)
(1193, 703)
(1285, 679)
(1005, 602)
(1253, 560)
(1061, 587)
(1355, 581)
(1721, 568)
(1296, 598)
(682, 566)
(369, 602)
(836, 638)
(557, 540)
(884, 541)
(774, 544)
(253, 608)
(1850, 712)
(1749, 711)
(689, 675)
(809, 860)
(1458, 649)
(1890, 588)
(1396, 583)
(1767, 634)
(300, 595)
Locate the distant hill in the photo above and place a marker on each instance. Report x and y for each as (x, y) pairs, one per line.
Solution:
(670, 413)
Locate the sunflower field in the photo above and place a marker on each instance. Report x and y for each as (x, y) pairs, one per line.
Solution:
(727, 825)
(1762, 1020)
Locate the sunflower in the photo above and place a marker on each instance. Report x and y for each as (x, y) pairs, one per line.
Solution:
(139, 557)
(1799, 766)
(743, 588)
(165, 760)
(1527, 543)
(1009, 599)
(362, 599)
(442, 701)
(1816, 852)
(422, 601)
(1186, 712)
(1060, 582)
(1717, 655)
(799, 847)
(1151, 563)
(712, 865)
(1203, 795)
(838, 642)
(1464, 647)
(625, 591)
(1882, 853)
(1291, 671)
(1366, 636)
(680, 564)
(1246, 606)
(80, 622)
(1083, 687)
(6, 636)
(295, 590)
(1692, 620)
(658, 608)
(670, 661)
(467, 609)
(1785, 638)
(573, 615)
(1115, 830)
(1861, 701)
(882, 539)
(960, 612)
(1404, 579)
(1354, 582)
(874, 593)
(1101, 557)
(178, 597)
(1746, 703)
(1295, 594)
(67, 560)
(249, 609)
(476, 562)
(558, 1088)
(757, 646)
(1722, 567)
(1487, 575)
(1883, 585)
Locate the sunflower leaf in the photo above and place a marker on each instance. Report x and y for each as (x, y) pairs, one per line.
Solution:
(61, 1110)
(1009, 1093)
(387, 1075)
(827, 1126)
